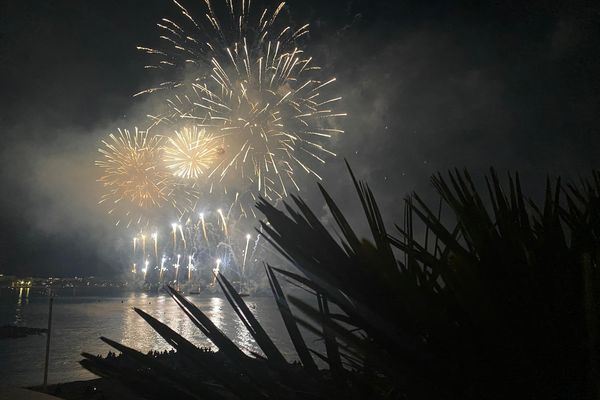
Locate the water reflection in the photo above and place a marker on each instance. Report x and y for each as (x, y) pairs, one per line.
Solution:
(22, 301)
(79, 321)
(243, 338)
(216, 311)
(137, 333)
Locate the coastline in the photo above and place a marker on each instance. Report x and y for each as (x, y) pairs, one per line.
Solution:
(93, 389)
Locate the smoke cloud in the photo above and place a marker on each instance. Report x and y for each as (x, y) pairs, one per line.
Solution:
(427, 88)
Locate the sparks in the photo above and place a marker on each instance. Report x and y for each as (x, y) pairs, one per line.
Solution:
(244, 77)
(135, 180)
(190, 152)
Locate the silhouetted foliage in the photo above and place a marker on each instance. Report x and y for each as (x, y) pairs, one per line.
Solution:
(501, 303)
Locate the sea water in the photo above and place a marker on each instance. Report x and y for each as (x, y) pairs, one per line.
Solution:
(78, 321)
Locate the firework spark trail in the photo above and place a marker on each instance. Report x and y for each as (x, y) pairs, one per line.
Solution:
(254, 88)
(155, 238)
(216, 271)
(212, 236)
(162, 269)
(174, 227)
(245, 255)
(206, 241)
(190, 268)
(177, 268)
(145, 269)
(182, 236)
(204, 227)
(224, 222)
(143, 245)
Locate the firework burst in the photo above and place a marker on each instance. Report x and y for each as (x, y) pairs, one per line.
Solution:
(190, 152)
(136, 181)
(245, 79)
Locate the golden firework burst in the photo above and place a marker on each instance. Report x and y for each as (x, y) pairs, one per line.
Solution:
(134, 179)
(190, 152)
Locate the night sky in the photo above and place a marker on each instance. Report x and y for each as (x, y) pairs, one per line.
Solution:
(428, 85)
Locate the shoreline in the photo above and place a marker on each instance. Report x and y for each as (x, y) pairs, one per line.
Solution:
(93, 389)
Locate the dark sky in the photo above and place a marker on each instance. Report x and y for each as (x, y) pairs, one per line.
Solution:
(428, 85)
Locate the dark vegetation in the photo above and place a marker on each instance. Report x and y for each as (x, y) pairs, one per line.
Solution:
(14, 332)
(502, 302)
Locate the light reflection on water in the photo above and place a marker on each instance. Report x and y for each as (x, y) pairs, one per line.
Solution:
(78, 322)
(216, 313)
(23, 300)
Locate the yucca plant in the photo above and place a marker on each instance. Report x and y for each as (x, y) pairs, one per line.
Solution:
(503, 302)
